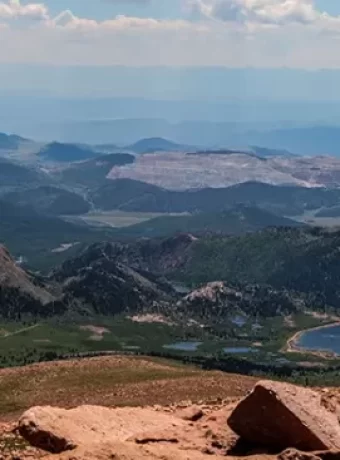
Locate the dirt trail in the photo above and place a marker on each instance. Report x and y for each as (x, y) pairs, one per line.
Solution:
(19, 331)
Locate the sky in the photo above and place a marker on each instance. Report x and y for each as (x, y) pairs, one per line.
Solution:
(48, 42)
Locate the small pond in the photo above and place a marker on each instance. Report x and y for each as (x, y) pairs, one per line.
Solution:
(239, 350)
(183, 346)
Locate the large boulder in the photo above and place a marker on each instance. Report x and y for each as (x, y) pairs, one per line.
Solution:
(57, 430)
(281, 415)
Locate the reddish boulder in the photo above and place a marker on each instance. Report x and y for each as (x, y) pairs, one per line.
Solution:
(281, 415)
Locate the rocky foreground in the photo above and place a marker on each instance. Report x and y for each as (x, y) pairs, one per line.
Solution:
(274, 421)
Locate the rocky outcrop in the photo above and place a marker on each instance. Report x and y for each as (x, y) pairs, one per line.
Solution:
(276, 421)
(280, 415)
(57, 430)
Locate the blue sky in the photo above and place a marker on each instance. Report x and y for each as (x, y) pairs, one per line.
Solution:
(102, 9)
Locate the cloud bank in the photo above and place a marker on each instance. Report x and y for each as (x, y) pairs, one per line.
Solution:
(233, 33)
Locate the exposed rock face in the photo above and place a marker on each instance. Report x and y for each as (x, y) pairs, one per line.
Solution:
(57, 430)
(281, 415)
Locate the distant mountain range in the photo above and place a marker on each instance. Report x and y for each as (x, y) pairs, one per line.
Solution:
(313, 140)
(156, 144)
(130, 195)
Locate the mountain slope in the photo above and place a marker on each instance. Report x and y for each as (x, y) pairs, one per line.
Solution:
(297, 259)
(49, 200)
(93, 172)
(220, 301)
(33, 235)
(10, 141)
(237, 220)
(13, 276)
(121, 193)
(14, 174)
(155, 144)
(23, 295)
(305, 260)
(109, 287)
(59, 152)
(131, 195)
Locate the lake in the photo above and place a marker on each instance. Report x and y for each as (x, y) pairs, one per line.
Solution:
(183, 346)
(325, 339)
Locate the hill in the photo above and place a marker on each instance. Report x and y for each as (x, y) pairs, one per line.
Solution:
(10, 141)
(33, 235)
(119, 193)
(108, 287)
(132, 195)
(155, 144)
(236, 220)
(219, 302)
(60, 152)
(297, 259)
(160, 255)
(92, 173)
(14, 174)
(49, 200)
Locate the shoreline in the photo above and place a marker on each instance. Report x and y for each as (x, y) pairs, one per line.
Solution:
(293, 347)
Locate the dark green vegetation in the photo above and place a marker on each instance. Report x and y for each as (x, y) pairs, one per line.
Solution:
(237, 220)
(92, 173)
(49, 200)
(304, 260)
(13, 174)
(35, 236)
(155, 144)
(130, 195)
(299, 259)
(57, 151)
(84, 304)
(117, 194)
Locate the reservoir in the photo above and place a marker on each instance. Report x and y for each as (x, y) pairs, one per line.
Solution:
(324, 339)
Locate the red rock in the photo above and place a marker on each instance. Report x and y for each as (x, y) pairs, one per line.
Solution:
(280, 415)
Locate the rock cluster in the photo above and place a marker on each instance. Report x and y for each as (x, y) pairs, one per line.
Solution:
(276, 421)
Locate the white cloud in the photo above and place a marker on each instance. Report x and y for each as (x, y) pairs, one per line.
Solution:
(277, 12)
(13, 9)
(234, 33)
